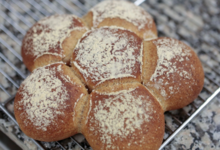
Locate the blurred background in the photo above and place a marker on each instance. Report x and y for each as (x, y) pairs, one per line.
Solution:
(195, 22)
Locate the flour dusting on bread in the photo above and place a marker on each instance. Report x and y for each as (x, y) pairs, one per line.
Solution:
(108, 53)
(43, 97)
(119, 115)
(47, 36)
(123, 10)
(170, 55)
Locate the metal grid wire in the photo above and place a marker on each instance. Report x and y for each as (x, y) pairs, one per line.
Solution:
(16, 17)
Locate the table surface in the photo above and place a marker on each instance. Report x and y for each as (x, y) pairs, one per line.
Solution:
(202, 133)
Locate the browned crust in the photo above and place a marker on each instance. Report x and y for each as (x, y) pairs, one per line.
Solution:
(68, 46)
(152, 132)
(149, 60)
(186, 90)
(70, 43)
(95, 84)
(127, 25)
(77, 72)
(79, 108)
(91, 86)
(118, 81)
(88, 19)
(66, 125)
(187, 95)
(40, 62)
(79, 111)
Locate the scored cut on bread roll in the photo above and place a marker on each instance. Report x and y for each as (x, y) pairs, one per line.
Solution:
(172, 72)
(125, 116)
(108, 56)
(49, 103)
(51, 40)
(122, 14)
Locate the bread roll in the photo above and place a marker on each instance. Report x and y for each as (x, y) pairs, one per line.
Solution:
(123, 117)
(50, 40)
(113, 59)
(122, 14)
(48, 104)
(108, 56)
(172, 72)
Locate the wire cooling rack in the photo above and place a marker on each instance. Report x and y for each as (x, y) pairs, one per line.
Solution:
(194, 22)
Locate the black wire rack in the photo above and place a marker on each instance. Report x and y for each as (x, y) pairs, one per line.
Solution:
(194, 22)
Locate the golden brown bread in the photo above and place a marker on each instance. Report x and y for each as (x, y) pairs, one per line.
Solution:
(108, 56)
(125, 117)
(48, 104)
(113, 59)
(50, 40)
(172, 72)
(122, 14)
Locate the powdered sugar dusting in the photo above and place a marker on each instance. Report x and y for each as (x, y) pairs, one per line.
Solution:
(47, 36)
(108, 53)
(43, 97)
(121, 9)
(119, 115)
(168, 50)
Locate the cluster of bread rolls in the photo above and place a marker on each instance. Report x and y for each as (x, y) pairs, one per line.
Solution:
(106, 75)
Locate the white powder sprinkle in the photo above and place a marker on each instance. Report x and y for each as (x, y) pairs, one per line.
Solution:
(120, 115)
(108, 53)
(47, 36)
(123, 10)
(43, 97)
(167, 50)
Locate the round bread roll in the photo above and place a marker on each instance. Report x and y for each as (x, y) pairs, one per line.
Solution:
(108, 56)
(48, 104)
(122, 14)
(123, 117)
(172, 72)
(50, 40)
(113, 59)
